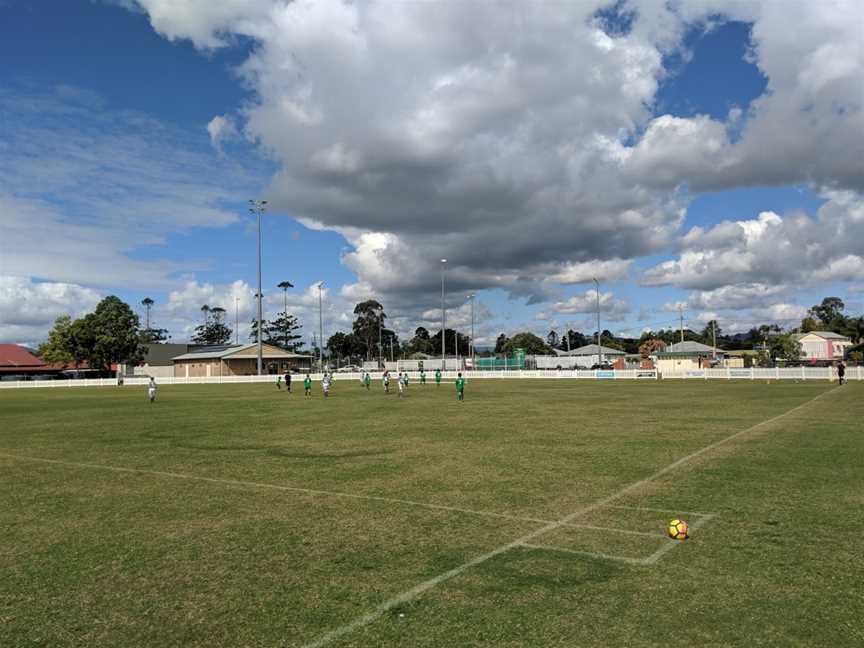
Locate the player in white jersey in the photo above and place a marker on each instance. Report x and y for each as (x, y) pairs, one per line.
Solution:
(151, 390)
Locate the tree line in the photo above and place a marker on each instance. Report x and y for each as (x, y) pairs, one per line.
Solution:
(113, 334)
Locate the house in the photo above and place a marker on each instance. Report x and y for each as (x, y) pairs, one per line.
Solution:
(688, 356)
(158, 361)
(587, 356)
(238, 360)
(18, 363)
(823, 346)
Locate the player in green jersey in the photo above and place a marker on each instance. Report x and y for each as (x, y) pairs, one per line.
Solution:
(367, 380)
(460, 387)
(307, 385)
(437, 377)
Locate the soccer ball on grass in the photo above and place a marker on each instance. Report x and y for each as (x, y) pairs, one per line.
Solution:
(678, 530)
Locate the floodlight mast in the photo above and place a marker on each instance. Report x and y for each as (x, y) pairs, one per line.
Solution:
(257, 208)
(472, 350)
(599, 347)
(443, 317)
(320, 328)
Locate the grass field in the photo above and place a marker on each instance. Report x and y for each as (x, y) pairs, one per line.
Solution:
(529, 515)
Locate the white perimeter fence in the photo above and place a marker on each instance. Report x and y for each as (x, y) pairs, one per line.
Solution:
(786, 373)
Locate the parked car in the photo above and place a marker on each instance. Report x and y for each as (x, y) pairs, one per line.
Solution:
(604, 366)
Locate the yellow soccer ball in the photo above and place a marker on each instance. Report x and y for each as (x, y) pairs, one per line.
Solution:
(678, 530)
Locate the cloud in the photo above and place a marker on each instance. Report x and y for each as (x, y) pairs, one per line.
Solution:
(221, 128)
(527, 152)
(28, 308)
(792, 250)
(82, 189)
(610, 307)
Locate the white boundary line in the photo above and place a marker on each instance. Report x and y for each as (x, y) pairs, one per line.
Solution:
(587, 554)
(426, 585)
(290, 489)
(657, 510)
(625, 531)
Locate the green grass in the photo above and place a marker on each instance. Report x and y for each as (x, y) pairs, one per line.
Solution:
(154, 557)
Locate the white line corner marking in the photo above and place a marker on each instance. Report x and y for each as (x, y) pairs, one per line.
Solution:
(418, 589)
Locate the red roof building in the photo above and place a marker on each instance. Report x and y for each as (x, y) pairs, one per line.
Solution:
(18, 360)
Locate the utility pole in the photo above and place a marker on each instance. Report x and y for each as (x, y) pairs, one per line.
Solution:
(391, 349)
(443, 316)
(472, 349)
(599, 346)
(380, 312)
(456, 346)
(714, 338)
(257, 208)
(237, 321)
(320, 328)
(681, 318)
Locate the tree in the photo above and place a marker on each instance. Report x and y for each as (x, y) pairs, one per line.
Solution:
(59, 347)
(282, 332)
(108, 335)
(575, 339)
(253, 330)
(784, 347)
(552, 339)
(369, 320)
(830, 311)
(712, 329)
(532, 344)
(421, 342)
(463, 343)
(808, 324)
(650, 347)
(345, 345)
(500, 343)
(213, 330)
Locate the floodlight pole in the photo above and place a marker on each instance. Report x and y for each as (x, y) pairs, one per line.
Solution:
(599, 347)
(237, 320)
(380, 312)
(443, 317)
(320, 328)
(257, 208)
(472, 348)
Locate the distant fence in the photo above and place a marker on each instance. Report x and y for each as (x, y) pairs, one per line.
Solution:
(776, 373)
(785, 373)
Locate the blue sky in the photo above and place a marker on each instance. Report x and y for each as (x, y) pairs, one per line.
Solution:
(674, 156)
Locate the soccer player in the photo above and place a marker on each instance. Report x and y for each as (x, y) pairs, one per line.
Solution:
(151, 389)
(307, 385)
(325, 384)
(422, 376)
(367, 380)
(841, 373)
(437, 377)
(401, 384)
(460, 387)
(279, 382)
(288, 381)
(385, 380)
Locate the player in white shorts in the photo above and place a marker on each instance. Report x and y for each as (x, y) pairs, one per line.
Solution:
(151, 390)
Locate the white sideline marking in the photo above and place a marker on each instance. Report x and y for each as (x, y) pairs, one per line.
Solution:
(627, 531)
(656, 510)
(291, 489)
(588, 554)
(418, 589)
